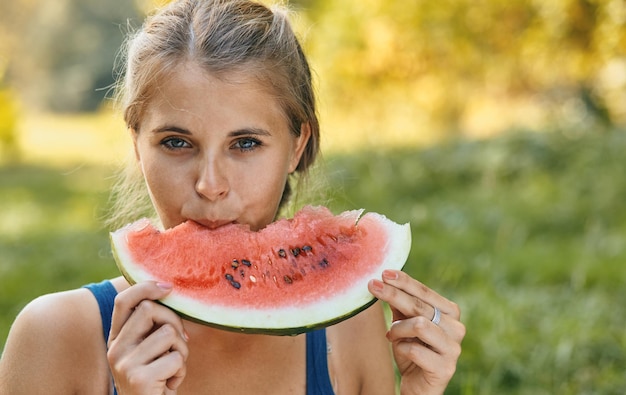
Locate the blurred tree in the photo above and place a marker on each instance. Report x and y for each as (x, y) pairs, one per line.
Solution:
(412, 66)
(61, 53)
(8, 117)
(461, 65)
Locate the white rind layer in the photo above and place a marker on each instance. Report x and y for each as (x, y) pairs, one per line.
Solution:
(285, 320)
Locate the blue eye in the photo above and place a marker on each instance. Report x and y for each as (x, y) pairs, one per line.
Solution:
(174, 143)
(247, 144)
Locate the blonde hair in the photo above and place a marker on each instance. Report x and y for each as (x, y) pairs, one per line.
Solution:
(225, 37)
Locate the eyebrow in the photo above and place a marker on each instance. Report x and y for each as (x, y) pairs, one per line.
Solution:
(234, 133)
(249, 131)
(170, 128)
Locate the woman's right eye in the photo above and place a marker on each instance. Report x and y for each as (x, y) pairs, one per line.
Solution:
(174, 143)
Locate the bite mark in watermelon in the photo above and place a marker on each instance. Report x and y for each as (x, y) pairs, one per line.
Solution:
(293, 276)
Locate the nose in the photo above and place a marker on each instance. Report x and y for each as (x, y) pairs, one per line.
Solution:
(212, 183)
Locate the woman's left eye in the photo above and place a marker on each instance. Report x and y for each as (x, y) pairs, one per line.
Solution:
(173, 143)
(247, 144)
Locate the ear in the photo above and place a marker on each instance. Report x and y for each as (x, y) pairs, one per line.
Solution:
(300, 145)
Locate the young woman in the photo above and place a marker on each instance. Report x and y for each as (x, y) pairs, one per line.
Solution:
(219, 103)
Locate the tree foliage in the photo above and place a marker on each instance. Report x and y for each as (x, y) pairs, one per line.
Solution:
(61, 54)
(471, 66)
(405, 67)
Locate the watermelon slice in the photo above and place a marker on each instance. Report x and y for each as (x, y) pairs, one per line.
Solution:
(293, 276)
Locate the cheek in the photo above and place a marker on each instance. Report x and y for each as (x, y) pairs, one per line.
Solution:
(165, 183)
(265, 184)
(155, 185)
(263, 191)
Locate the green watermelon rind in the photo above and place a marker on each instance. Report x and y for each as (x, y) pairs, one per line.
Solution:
(287, 331)
(280, 321)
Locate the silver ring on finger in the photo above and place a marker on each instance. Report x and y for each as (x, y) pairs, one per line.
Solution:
(437, 316)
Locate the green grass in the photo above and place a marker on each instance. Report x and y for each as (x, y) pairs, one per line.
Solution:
(50, 233)
(527, 232)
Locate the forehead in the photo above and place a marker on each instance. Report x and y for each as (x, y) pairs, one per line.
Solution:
(190, 91)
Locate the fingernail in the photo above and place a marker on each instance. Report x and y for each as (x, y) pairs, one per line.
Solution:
(377, 285)
(164, 285)
(390, 275)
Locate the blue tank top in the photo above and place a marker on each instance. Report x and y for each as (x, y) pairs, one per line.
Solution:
(317, 377)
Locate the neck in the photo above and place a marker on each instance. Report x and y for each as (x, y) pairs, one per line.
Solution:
(220, 340)
(216, 358)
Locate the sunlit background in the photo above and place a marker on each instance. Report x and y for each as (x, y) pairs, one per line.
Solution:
(495, 127)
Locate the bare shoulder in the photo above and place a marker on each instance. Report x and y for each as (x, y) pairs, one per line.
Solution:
(360, 350)
(54, 346)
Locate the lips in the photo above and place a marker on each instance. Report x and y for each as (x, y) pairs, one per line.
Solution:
(213, 224)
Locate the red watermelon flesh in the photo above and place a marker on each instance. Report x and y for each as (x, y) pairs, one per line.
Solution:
(290, 277)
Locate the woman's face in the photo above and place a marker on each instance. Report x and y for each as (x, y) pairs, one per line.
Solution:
(215, 152)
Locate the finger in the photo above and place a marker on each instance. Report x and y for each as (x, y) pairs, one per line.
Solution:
(417, 353)
(170, 368)
(408, 284)
(149, 315)
(438, 369)
(127, 300)
(150, 324)
(164, 340)
(159, 358)
(419, 328)
(430, 349)
(403, 305)
(427, 331)
(412, 287)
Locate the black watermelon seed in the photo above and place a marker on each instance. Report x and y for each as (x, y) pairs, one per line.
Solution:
(243, 274)
(295, 251)
(235, 284)
(307, 249)
(234, 264)
(323, 263)
(229, 277)
(282, 253)
(287, 279)
(246, 262)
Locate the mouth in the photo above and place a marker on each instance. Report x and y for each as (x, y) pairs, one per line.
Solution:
(213, 224)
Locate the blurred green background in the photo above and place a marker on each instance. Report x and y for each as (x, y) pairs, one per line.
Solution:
(497, 128)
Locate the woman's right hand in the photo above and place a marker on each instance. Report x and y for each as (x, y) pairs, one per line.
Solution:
(147, 343)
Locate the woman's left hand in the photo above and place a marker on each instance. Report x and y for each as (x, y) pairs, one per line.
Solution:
(426, 345)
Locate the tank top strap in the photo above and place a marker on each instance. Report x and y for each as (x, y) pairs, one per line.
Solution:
(317, 377)
(104, 293)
